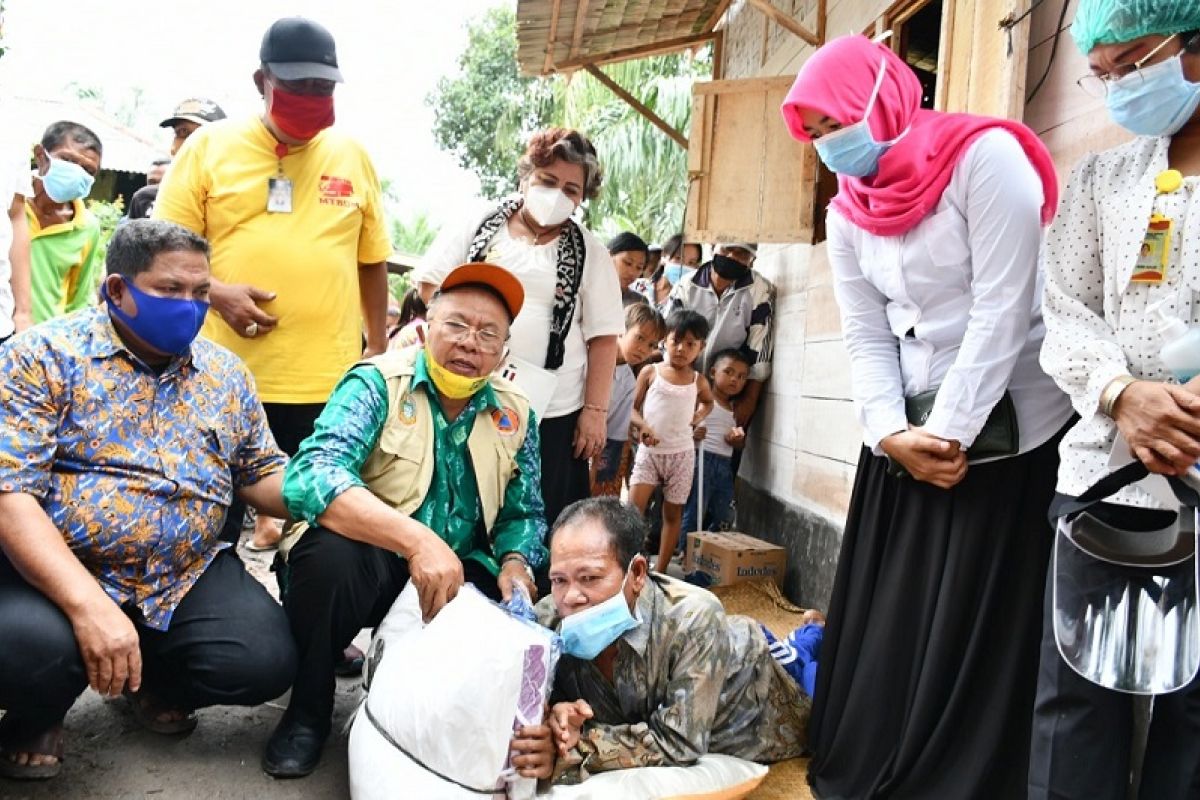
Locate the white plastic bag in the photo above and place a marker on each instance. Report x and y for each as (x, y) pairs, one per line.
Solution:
(450, 694)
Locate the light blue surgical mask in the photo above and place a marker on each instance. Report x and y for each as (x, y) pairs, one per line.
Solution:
(586, 634)
(1155, 101)
(853, 151)
(673, 272)
(65, 180)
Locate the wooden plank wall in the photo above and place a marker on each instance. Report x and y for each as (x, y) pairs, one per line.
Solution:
(805, 442)
(1070, 122)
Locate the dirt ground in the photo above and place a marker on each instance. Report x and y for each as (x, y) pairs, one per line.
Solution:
(109, 756)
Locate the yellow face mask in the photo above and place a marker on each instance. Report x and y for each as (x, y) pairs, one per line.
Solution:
(451, 384)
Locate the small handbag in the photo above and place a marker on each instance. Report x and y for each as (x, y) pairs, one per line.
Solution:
(1000, 435)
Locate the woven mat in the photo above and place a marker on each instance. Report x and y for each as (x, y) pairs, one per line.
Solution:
(763, 601)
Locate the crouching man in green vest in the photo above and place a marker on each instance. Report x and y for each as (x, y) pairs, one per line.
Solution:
(423, 466)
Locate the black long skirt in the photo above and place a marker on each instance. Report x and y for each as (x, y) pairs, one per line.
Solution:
(928, 669)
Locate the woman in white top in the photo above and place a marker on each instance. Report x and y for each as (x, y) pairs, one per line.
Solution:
(1106, 295)
(566, 333)
(927, 670)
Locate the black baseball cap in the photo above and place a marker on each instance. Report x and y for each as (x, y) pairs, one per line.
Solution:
(195, 109)
(295, 48)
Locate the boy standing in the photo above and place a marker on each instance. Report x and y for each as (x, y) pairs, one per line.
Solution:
(671, 399)
(643, 330)
(721, 435)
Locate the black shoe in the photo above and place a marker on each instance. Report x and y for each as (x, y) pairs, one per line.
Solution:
(294, 749)
(351, 664)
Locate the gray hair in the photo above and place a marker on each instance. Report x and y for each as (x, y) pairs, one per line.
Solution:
(546, 147)
(136, 244)
(625, 527)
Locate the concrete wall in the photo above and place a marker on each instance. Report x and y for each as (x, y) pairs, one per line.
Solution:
(799, 467)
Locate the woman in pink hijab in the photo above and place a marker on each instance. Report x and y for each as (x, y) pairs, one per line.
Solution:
(927, 672)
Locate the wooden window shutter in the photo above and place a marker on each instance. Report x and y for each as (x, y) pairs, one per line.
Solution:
(749, 180)
(983, 68)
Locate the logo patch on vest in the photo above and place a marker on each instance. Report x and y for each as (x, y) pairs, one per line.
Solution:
(506, 421)
(408, 412)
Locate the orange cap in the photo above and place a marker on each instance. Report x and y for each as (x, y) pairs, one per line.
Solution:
(492, 276)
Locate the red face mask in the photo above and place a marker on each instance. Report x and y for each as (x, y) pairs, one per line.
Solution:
(299, 116)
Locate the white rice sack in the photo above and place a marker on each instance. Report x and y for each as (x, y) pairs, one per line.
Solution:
(714, 776)
(450, 693)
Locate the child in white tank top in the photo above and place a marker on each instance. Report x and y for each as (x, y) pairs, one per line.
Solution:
(671, 399)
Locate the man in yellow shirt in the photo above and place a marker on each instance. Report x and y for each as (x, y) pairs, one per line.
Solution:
(294, 213)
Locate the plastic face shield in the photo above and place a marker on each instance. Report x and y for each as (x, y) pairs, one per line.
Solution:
(1125, 613)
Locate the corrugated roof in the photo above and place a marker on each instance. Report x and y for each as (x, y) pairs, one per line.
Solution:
(25, 118)
(556, 35)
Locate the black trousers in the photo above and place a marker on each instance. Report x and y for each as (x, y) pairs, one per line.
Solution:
(1082, 739)
(291, 424)
(564, 478)
(333, 588)
(228, 644)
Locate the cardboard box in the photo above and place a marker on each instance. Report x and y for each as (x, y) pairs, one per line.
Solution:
(730, 557)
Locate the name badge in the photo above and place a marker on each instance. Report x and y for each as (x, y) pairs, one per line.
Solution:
(1155, 251)
(279, 195)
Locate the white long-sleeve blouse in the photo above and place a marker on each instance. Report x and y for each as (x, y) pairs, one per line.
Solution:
(952, 303)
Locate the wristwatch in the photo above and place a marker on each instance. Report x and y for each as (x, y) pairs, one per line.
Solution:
(518, 557)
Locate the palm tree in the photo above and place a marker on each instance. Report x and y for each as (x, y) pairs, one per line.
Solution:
(645, 171)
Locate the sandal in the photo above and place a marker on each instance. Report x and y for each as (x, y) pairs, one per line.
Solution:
(49, 743)
(147, 709)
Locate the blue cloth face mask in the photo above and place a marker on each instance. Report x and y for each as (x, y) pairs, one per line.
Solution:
(65, 180)
(852, 151)
(586, 634)
(673, 272)
(167, 324)
(1157, 102)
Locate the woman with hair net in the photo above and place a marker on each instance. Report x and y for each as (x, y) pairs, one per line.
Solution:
(1126, 245)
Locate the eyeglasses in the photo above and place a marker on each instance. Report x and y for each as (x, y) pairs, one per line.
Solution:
(488, 341)
(1097, 85)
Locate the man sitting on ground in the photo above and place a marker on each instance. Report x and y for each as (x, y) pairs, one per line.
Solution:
(122, 443)
(423, 465)
(653, 673)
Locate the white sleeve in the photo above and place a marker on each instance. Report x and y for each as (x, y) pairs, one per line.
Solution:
(1081, 352)
(1004, 232)
(22, 182)
(874, 350)
(449, 250)
(601, 312)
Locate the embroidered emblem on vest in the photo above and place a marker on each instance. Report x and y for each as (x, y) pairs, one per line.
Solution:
(506, 421)
(408, 412)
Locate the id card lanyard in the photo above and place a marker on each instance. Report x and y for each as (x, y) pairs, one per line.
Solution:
(1155, 252)
(279, 188)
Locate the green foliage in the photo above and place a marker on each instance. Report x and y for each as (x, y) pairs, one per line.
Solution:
(109, 215)
(413, 235)
(484, 114)
(645, 171)
(398, 285)
(130, 109)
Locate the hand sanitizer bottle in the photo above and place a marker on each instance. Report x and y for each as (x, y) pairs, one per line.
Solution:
(1181, 352)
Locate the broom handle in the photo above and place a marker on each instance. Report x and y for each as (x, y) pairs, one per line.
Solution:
(700, 489)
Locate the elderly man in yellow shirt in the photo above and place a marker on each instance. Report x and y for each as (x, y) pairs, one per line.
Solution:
(294, 212)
